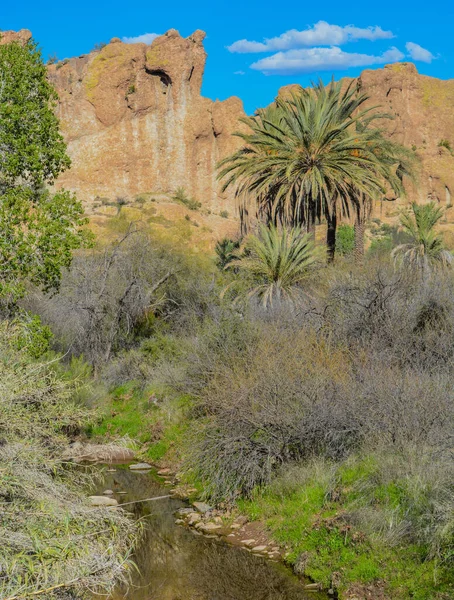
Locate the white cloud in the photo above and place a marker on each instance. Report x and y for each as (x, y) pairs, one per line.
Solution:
(145, 38)
(321, 34)
(417, 52)
(239, 73)
(309, 60)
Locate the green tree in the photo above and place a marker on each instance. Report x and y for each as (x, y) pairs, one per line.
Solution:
(425, 250)
(277, 261)
(38, 230)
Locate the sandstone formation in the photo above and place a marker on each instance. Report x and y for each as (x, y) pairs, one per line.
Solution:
(136, 123)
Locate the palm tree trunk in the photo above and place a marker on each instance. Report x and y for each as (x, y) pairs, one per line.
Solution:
(331, 236)
(311, 216)
(360, 227)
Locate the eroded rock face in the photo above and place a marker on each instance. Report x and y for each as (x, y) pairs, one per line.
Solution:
(135, 121)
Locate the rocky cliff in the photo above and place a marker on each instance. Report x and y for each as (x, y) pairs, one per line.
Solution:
(136, 123)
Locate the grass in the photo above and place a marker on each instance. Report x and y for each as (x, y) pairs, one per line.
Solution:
(52, 539)
(311, 517)
(160, 428)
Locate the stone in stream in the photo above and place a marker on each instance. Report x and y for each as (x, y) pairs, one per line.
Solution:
(205, 527)
(140, 467)
(184, 511)
(102, 501)
(249, 543)
(202, 507)
(194, 518)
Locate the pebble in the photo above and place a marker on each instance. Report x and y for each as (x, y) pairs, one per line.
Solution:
(249, 542)
(164, 472)
(259, 549)
(107, 493)
(194, 518)
(208, 526)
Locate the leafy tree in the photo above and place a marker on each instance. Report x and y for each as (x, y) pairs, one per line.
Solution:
(345, 240)
(277, 260)
(425, 250)
(39, 230)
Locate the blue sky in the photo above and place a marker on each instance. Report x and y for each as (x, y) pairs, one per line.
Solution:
(254, 47)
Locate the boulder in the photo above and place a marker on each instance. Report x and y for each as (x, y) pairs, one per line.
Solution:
(98, 453)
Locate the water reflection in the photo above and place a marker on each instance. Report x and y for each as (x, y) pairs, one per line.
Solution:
(176, 564)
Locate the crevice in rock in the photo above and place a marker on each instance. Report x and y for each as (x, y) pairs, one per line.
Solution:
(190, 74)
(164, 78)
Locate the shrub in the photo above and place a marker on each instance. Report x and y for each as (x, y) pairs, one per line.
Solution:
(345, 240)
(443, 143)
(182, 197)
(224, 214)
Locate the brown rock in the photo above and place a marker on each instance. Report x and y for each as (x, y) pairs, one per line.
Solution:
(102, 501)
(98, 453)
(22, 36)
(135, 121)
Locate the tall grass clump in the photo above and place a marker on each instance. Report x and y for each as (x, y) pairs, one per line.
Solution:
(53, 542)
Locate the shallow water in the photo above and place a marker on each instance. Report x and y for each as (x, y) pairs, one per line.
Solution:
(177, 564)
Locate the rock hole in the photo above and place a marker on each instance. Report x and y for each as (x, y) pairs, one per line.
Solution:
(164, 78)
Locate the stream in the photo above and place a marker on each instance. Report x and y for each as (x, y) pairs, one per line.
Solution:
(175, 563)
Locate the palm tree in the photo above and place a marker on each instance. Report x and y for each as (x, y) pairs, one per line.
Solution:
(303, 157)
(225, 250)
(277, 260)
(425, 251)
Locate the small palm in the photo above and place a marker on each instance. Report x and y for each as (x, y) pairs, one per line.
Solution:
(425, 251)
(277, 262)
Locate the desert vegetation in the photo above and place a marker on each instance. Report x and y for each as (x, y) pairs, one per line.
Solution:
(308, 388)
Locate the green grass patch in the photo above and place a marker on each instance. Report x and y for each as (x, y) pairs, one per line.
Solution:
(311, 519)
(158, 425)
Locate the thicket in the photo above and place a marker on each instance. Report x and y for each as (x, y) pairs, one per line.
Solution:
(354, 374)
